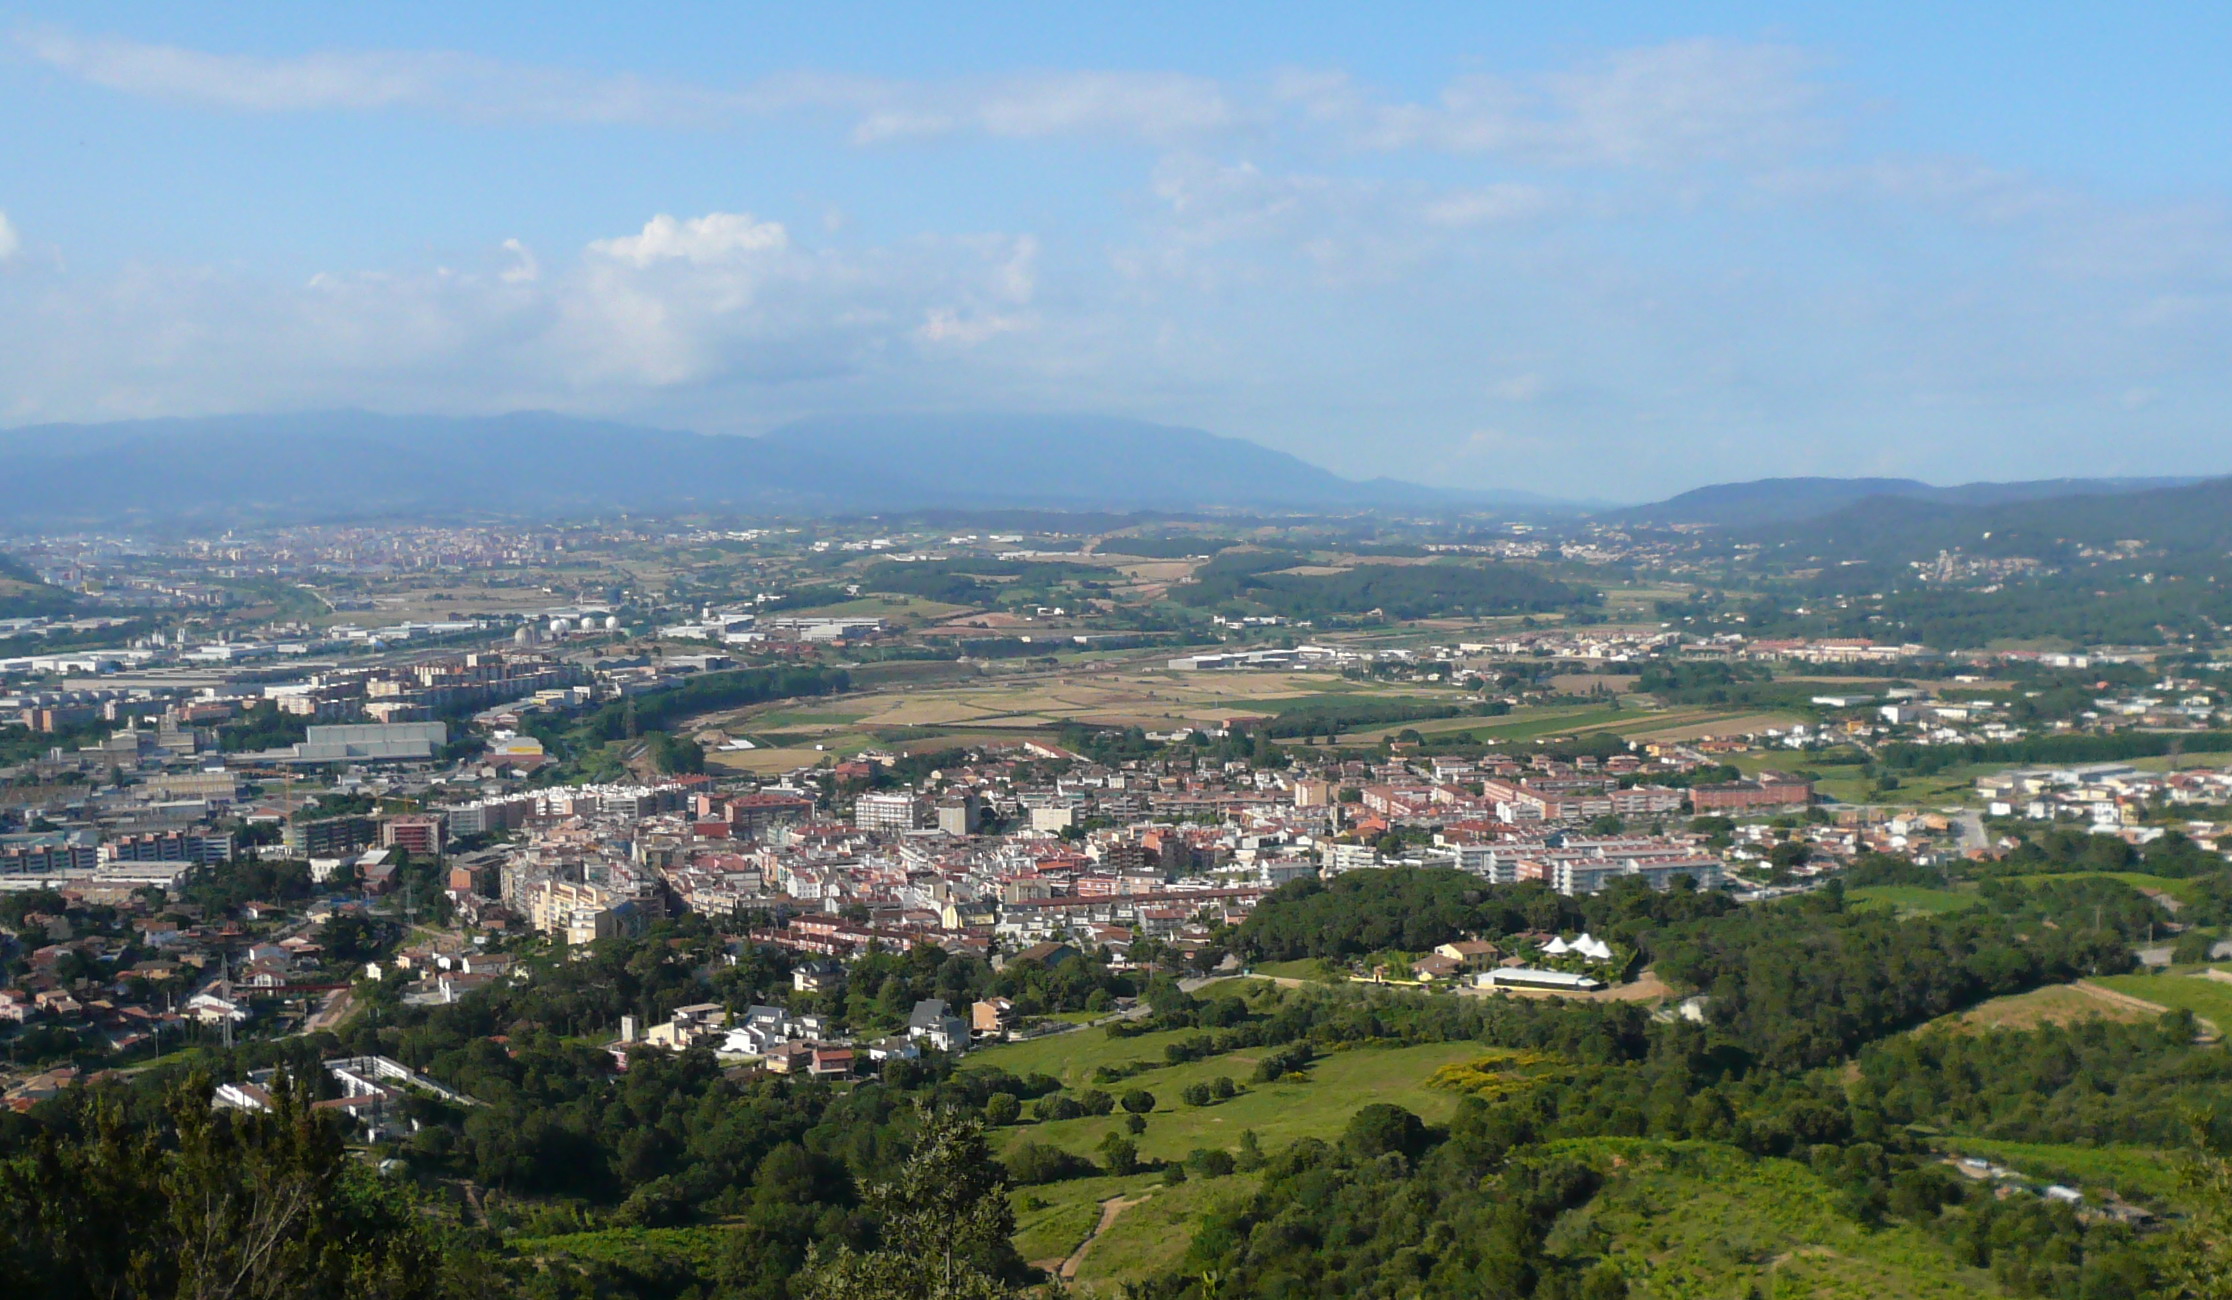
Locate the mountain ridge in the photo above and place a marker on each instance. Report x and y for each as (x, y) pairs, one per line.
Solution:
(1778, 500)
(354, 464)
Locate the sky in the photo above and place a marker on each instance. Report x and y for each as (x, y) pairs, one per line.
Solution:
(1597, 250)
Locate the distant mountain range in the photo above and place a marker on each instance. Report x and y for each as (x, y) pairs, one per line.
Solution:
(1779, 500)
(2191, 519)
(353, 464)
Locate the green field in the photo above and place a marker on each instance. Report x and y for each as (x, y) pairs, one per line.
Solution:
(1701, 1221)
(1910, 900)
(2141, 1172)
(1152, 1237)
(2207, 998)
(1148, 1238)
(1050, 1220)
(1279, 1113)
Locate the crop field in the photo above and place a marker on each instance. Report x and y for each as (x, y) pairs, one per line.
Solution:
(1124, 696)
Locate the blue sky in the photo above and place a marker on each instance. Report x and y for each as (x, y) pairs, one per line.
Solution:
(1595, 249)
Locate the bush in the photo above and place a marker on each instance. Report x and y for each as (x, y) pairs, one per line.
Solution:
(1139, 1101)
(1210, 1163)
(1223, 1088)
(1119, 1155)
(1035, 1162)
(1002, 1108)
(1096, 1102)
(1057, 1107)
(1281, 1062)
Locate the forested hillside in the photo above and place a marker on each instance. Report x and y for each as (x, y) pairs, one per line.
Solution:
(1808, 1101)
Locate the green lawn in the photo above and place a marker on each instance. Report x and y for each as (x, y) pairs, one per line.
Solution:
(1699, 1220)
(2132, 1171)
(1910, 900)
(1308, 968)
(2207, 998)
(1337, 1086)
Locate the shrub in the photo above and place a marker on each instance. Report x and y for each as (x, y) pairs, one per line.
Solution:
(1057, 1107)
(1139, 1101)
(1035, 1162)
(1197, 1094)
(1002, 1108)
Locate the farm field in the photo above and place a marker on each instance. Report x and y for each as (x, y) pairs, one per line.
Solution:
(1124, 696)
(1741, 1226)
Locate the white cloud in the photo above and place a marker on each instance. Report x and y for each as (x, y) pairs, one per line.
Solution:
(1157, 106)
(721, 302)
(1680, 104)
(11, 243)
(715, 237)
(524, 268)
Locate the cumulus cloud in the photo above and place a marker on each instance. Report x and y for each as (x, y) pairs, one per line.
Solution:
(715, 237)
(721, 301)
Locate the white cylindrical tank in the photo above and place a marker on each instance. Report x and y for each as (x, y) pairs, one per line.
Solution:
(560, 626)
(612, 622)
(525, 635)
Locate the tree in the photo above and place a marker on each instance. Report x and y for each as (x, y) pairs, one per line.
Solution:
(1197, 1094)
(2195, 945)
(945, 1223)
(2199, 1259)
(1120, 1154)
(207, 1204)
(1002, 1108)
(1382, 1127)
(1139, 1101)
